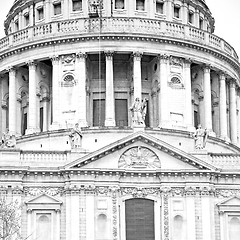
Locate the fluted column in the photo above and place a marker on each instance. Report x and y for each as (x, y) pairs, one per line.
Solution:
(81, 93)
(12, 101)
(223, 106)
(55, 93)
(169, 8)
(32, 123)
(137, 78)
(233, 112)
(110, 101)
(207, 98)
(188, 98)
(163, 95)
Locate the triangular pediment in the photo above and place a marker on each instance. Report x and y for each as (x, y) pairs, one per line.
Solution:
(140, 151)
(44, 199)
(233, 201)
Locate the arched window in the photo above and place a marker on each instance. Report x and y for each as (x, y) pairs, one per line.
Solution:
(178, 227)
(234, 228)
(175, 80)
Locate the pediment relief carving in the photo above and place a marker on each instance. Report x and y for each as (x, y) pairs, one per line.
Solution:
(139, 158)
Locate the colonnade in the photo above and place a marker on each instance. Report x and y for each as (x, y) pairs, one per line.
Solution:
(159, 103)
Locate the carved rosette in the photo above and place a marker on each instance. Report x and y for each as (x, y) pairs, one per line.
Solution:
(139, 157)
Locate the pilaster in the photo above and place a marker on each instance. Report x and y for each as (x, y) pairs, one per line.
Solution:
(110, 101)
(238, 117)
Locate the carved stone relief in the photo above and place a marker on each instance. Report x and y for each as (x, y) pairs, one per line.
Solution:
(139, 157)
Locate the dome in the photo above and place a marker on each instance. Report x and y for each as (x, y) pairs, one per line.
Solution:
(119, 120)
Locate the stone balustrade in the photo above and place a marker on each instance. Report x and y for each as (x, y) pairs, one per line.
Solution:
(225, 161)
(81, 27)
(44, 158)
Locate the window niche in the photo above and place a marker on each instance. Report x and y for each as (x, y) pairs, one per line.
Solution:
(119, 4)
(40, 13)
(76, 5)
(140, 5)
(176, 11)
(57, 8)
(26, 19)
(190, 17)
(159, 6)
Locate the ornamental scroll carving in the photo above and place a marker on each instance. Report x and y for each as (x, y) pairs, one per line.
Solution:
(139, 157)
(38, 191)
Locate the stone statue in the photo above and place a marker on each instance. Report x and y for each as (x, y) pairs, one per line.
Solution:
(8, 140)
(200, 137)
(139, 110)
(75, 137)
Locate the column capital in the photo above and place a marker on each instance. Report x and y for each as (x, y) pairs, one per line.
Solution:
(222, 75)
(163, 58)
(109, 55)
(12, 70)
(233, 83)
(55, 59)
(207, 68)
(81, 56)
(137, 56)
(188, 62)
(31, 64)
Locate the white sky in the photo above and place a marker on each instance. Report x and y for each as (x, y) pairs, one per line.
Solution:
(226, 14)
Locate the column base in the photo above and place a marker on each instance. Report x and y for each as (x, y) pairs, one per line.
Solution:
(82, 123)
(110, 123)
(54, 126)
(32, 130)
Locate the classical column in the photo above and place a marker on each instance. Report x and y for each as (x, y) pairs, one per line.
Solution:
(47, 10)
(233, 112)
(45, 102)
(55, 93)
(81, 93)
(207, 98)
(137, 79)
(169, 8)
(163, 97)
(12, 101)
(188, 97)
(238, 117)
(185, 13)
(110, 101)
(32, 124)
(223, 106)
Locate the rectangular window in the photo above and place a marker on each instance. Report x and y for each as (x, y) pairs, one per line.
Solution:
(140, 5)
(98, 112)
(26, 19)
(41, 119)
(119, 4)
(40, 13)
(16, 25)
(24, 123)
(190, 17)
(176, 11)
(121, 112)
(159, 6)
(201, 23)
(76, 5)
(57, 8)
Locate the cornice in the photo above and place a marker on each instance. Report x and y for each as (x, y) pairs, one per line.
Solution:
(164, 40)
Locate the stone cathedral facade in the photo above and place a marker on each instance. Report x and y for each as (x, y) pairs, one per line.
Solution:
(71, 154)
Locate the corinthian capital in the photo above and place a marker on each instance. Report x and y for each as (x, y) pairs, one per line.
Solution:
(31, 64)
(109, 55)
(137, 56)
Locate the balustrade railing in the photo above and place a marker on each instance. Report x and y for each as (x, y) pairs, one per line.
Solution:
(226, 161)
(56, 158)
(115, 25)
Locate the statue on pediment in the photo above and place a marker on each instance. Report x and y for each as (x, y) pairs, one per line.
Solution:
(139, 111)
(75, 137)
(200, 137)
